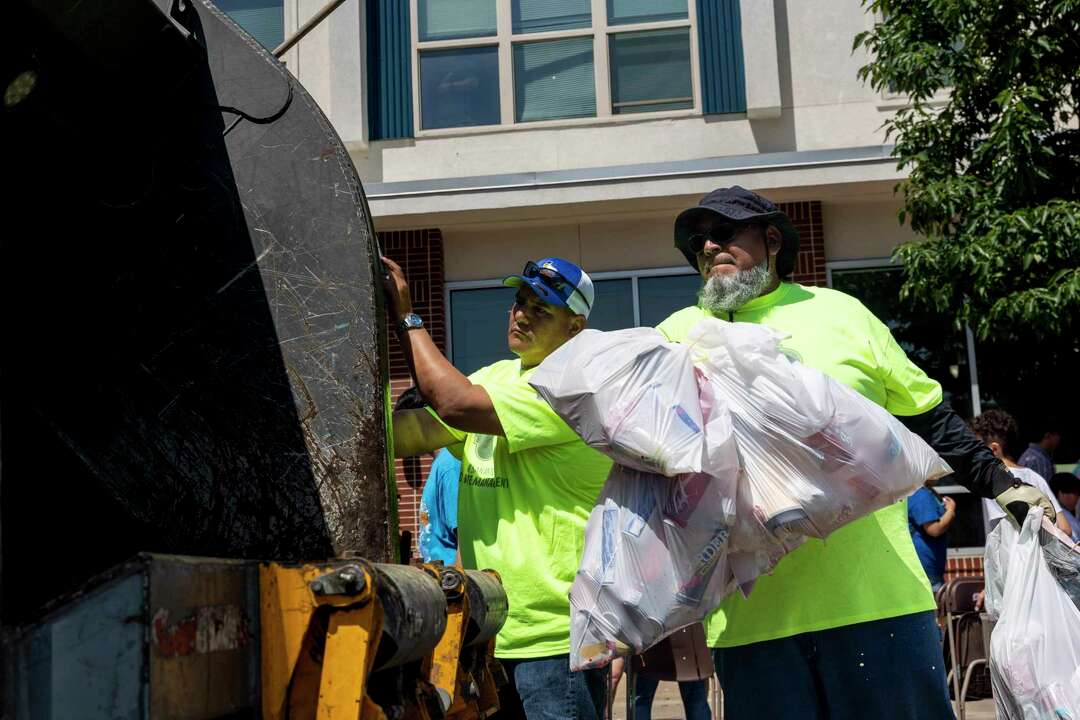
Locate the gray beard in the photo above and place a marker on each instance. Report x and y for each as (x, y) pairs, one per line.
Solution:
(728, 293)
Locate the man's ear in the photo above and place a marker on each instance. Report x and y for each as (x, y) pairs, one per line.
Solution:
(577, 324)
(773, 239)
(995, 447)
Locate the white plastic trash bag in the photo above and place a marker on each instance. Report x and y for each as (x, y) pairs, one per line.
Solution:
(784, 453)
(1062, 556)
(630, 395)
(1035, 646)
(1061, 553)
(996, 555)
(815, 454)
(655, 561)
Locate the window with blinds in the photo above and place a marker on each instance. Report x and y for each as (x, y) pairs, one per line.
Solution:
(532, 16)
(650, 71)
(455, 19)
(263, 20)
(622, 12)
(554, 79)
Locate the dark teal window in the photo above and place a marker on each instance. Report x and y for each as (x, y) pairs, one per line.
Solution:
(650, 71)
(263, 20)
(459, 87)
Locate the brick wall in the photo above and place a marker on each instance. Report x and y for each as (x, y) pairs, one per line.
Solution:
(420, 254)
(810, 264)
(963, 567)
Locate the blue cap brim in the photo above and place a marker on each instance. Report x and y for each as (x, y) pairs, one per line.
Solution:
(542, 291)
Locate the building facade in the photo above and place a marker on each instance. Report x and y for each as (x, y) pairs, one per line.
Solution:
(491, 132)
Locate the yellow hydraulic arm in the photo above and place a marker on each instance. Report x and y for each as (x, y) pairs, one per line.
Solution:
(353, 640)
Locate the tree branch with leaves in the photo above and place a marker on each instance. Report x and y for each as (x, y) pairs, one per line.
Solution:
(990, 142)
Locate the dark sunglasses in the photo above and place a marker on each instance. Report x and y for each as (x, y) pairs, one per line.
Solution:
(720, 233)
(553, 279)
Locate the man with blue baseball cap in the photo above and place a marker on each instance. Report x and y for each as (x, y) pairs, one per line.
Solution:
(527, 482)
(557, 282)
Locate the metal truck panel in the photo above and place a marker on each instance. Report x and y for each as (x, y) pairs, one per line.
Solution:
(157, 637)
(194, 357)
(86, 661)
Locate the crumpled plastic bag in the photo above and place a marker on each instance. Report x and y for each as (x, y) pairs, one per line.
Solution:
(629, 394)
(1061, 553)
(1035, 646)
(655, 560)
(1062, 556)
(996, 555)
(815, 454)
(784, 453)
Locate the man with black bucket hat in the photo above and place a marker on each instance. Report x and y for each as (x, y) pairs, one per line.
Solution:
(843, 628)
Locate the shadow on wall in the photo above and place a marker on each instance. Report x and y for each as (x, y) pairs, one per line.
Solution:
(778, 134)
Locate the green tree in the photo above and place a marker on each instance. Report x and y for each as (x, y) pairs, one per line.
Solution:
(990, 143)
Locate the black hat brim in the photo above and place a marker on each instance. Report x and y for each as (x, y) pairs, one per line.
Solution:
(687, 222)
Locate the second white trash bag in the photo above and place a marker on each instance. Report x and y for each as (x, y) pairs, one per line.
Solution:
(655, 560)
(1035, 646)
(814, 454)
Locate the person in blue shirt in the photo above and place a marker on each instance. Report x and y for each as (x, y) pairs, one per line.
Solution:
(438, 510)
(929, 517)
(1039, 456)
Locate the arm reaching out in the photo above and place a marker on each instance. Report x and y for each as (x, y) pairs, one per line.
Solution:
(417, 432)
(975, 466)
(458, 402)
(939, 527)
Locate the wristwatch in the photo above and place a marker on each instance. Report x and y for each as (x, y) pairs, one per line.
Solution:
(412, 321)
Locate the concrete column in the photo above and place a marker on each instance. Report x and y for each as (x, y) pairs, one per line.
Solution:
(331, 62)
(760, 59)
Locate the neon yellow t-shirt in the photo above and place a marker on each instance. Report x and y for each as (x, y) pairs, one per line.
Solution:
(522, 506)
(867, 570)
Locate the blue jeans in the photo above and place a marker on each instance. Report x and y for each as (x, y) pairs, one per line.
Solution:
(545, 689)
(890, 669)
(695, 698)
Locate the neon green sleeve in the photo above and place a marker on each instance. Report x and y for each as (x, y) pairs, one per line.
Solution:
(459, 435)
(527, 420)
(908, 390)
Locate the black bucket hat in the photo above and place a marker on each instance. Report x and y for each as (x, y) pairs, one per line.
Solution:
(738, 204)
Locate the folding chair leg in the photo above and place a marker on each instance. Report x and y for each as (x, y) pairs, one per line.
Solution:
(968, 671)
(716, 699)
(950, 625)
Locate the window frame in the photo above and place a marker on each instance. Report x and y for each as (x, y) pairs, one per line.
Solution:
(633, 275)
(504, 38)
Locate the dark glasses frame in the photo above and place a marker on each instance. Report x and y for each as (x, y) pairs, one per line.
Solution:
(720, 233)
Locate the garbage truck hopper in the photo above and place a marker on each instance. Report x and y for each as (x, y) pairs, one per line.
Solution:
(194, 349)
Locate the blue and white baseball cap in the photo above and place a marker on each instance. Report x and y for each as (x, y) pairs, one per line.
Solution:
(557, 282)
